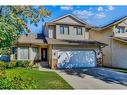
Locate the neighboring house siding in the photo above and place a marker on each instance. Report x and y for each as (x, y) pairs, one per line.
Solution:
(104, 36)
(119, 54)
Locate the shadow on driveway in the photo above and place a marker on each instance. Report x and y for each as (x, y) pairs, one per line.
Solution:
(104, 74)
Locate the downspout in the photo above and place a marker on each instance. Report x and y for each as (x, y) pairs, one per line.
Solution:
(111, 50)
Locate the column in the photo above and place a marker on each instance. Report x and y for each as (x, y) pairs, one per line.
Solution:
(39, 53)
(18, 53)
(30, 53)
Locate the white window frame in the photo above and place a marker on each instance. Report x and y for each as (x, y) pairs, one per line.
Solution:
(64, 30)
(120, 29)
(23, 56)
(77, 30)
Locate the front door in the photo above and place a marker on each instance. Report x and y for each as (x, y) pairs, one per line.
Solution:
(44, 54)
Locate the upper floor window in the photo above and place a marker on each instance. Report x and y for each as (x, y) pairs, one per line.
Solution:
(61, 29)
(64, 29)
(79, 30)
(121, 29)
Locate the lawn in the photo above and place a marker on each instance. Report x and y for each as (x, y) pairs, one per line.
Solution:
(45, 79)
(120, 70)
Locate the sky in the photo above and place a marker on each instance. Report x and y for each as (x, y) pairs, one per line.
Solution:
(93, 15)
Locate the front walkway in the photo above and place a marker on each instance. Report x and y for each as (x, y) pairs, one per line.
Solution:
(94, 78)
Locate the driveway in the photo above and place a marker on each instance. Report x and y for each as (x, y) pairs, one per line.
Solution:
(94, 78)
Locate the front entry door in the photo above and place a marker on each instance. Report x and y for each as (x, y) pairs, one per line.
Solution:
(44, 54)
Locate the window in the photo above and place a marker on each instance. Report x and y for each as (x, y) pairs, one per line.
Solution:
(24, 53)
(14, 52)
(64, 29)
(120, 29)
(35, 53)
(61, 29)
(79, 30)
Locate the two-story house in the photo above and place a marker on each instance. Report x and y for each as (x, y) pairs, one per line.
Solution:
(115, 35)
(64, 43)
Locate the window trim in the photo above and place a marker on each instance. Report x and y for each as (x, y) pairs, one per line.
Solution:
(120, 29)
(62, 32)
(77, 32)
(64, 26)
(20, 54)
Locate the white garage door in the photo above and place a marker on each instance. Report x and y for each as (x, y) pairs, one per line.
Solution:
(76, 59)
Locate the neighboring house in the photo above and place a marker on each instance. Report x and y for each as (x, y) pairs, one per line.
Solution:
(115, 35)
(64, 43)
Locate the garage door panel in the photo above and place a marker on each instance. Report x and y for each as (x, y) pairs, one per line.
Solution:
(76, 59)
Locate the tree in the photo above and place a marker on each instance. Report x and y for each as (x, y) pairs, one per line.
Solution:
(13, 22)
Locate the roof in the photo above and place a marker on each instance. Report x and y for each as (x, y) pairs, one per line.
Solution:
(112, 23)
(39, 39)
(83, 23)
(123, 39)
(74, 42)
(32, 39)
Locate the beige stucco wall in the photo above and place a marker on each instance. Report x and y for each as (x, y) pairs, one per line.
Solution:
(104, 37)
(119, 54)
(53, 31)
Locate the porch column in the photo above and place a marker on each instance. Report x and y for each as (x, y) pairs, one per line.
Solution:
(50, 57)
(30, 53)
(18, 53)
(39, 53)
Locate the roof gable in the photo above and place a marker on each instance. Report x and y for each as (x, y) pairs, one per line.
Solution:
(70, 19)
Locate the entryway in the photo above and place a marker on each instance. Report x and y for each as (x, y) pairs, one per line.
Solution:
(44, 54)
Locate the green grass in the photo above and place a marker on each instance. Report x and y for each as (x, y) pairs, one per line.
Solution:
(45, 79)
(118, 69)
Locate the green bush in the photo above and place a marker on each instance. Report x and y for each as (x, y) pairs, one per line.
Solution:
(2, 73)
(18, 63)
(23, 64)
(2, 65)
(26, 63)
(10, 65)
(16, 82)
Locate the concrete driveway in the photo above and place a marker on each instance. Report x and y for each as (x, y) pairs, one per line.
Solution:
(94, 78)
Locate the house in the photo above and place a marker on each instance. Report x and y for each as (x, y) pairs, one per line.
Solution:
(115, 35)
(64, 43)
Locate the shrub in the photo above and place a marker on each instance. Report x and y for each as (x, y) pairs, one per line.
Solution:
(25, 64)
(2, 73)
(18, 63)
(10, 65)
(17, 82)
(2, 65)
